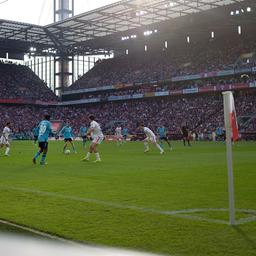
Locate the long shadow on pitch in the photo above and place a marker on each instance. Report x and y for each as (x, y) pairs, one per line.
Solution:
(251, 242)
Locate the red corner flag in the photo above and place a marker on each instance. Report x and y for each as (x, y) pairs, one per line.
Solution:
(233, 119)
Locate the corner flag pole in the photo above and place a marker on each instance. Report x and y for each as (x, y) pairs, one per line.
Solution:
(228, 110)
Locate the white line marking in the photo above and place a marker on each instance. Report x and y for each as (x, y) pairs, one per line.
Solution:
(182, 214)
(246, 220)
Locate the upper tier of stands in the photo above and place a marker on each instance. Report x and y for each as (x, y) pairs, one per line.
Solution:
(20, 82)
(180, 60)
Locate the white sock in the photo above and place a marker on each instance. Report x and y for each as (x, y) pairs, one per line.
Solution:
(146, 145)
(88, 155)
(159, 147)
(7, 151)
(97, 156)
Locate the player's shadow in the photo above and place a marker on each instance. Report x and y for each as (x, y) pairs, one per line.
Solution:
(250, 241)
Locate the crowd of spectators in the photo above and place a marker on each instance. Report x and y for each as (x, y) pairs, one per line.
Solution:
(164, 87)
(194, 58)
(20, 82)
(200, 113)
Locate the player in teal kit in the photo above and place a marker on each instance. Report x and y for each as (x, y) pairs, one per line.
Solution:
(67, 133)
(125, 133)
(83, 134)
(161, 131)
(45, 130)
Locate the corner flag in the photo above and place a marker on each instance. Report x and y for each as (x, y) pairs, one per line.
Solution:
(233, 119)
(231, 133)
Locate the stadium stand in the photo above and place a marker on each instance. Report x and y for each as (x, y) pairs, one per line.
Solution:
(182, 59)
(202, 114)
(148, 76)
(146, 89)
(20, 82)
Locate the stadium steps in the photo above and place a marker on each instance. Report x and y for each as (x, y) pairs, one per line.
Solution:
(245, 121)
(207, 118)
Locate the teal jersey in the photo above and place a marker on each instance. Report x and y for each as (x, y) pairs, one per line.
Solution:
(67, 132)
(125, 131)
(83, 131)
(219, 131)
(35, 131)
(161, 131)
(45, 129)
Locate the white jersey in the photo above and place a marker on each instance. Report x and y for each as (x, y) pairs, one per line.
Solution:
(119, 131)
(5, 135)
(149, 133)
(96, 130)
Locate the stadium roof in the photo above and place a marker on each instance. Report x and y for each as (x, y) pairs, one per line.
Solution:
(108, 20)
(125, 15)
(19, 31)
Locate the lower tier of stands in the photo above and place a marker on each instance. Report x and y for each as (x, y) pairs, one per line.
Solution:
(202, 113)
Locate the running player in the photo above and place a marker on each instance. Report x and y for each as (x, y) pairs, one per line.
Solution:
(67, 133)
(151, 137)
(97, 137)
(125, 133)
(45, 130)
(185, 135)
(161, 131)
(119, 136)
(4, 140)
(83, 132)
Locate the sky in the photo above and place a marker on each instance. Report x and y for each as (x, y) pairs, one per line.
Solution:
(40, 12)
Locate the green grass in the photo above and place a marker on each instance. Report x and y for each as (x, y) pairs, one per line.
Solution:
(93, 203)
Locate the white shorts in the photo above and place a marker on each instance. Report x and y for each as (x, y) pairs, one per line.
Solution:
(119, 137)
(152, 139)
(97, 140)
(4, 141)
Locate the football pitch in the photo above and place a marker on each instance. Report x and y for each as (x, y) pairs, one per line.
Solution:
(172, 204)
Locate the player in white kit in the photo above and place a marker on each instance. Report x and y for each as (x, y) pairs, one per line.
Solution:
(97, 136)
(119, 136)
(151, 137)
(4, 140)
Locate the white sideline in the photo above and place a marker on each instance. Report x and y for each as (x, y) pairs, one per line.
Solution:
(182, 214)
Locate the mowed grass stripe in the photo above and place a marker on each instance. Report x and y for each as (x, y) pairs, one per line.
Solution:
(176, 213)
